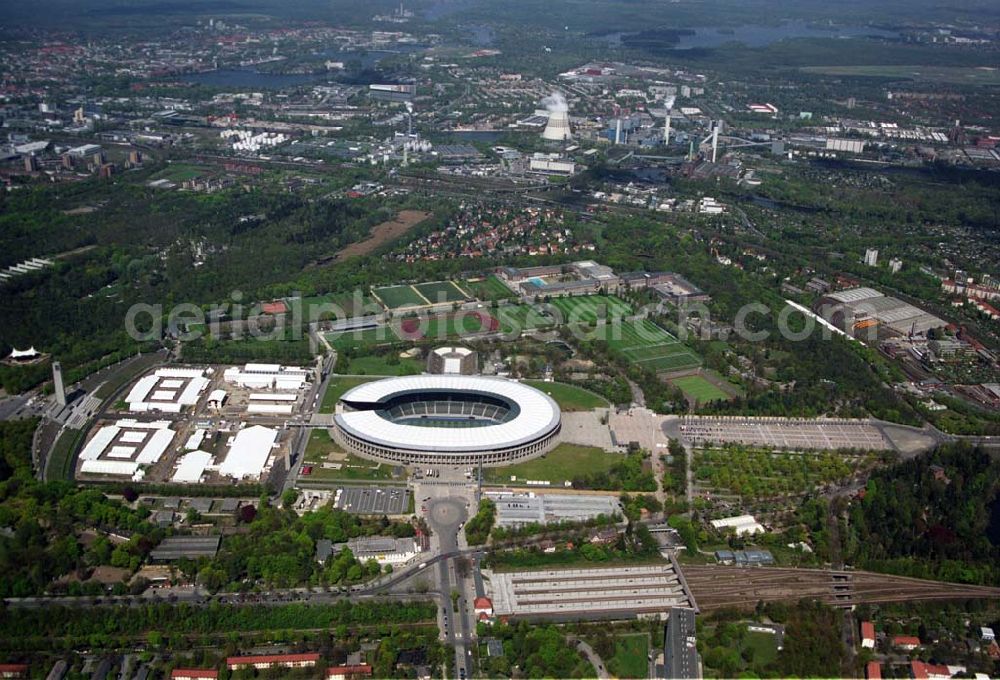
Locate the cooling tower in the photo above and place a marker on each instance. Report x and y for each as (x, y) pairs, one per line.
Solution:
(557, 129)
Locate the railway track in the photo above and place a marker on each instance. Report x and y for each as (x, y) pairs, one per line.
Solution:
(714, 587)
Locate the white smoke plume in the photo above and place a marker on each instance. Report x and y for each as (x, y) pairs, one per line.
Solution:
(555, 103)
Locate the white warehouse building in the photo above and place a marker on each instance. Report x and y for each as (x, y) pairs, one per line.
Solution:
(267, 376)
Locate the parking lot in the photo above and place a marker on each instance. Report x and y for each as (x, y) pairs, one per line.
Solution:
(787, 433)
(373, 500)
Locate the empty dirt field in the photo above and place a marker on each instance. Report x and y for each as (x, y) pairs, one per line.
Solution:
(383, 233)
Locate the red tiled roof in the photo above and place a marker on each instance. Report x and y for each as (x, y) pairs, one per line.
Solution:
(13, 668)
(900, 640)
(922, 671)
(356, 669)
(194, 673)
(873, 671)
(867, 630)
(482, 603)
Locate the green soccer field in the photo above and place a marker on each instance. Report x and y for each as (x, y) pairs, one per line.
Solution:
(384, 365)
(697, 388)
(360, 339)
(588, 309)
(334, 306)
(441, 291)
(646, 344)
(443, 326)
(395, 297)
(521, 318)
(488, 289)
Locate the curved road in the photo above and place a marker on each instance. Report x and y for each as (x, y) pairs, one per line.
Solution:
(592, 657)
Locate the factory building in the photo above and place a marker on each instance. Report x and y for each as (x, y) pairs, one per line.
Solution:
(519, 509)
(551, 164)
(403, 92)
(866, 310)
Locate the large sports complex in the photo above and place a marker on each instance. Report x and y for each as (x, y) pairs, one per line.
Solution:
(446, 420)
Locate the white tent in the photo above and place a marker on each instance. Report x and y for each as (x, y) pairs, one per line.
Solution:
(249, 452)
(191, 467)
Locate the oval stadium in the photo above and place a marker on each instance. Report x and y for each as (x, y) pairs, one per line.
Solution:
(446, 420)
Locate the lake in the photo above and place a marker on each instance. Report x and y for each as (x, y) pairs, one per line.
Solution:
(250, 78)
(753, 35)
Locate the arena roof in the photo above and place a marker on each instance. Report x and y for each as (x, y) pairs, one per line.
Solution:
(537, 415)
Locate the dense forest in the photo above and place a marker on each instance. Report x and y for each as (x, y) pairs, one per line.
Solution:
(46, 520)
(813, 644)
(539, 651)
(934, 516)
(35, 628)
(60, 530)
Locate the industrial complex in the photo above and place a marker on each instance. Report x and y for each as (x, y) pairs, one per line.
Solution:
(197, 424)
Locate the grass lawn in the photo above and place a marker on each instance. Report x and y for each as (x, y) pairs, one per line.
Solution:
(764, 647)
(563, 463)
(352, 468)
(697, 388)
(630, 660)
(488, 289)
(381, 365)
(181, 172)
(395, 297)
(336, 388)
(61, 463)
(119, 376)
(361, 339)
(570, 397)
(952, 75)
(441, 291)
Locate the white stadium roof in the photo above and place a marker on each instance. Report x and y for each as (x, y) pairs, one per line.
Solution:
(537, 415)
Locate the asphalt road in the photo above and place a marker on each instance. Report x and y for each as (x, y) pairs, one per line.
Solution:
(446, 517)
(384, 588)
